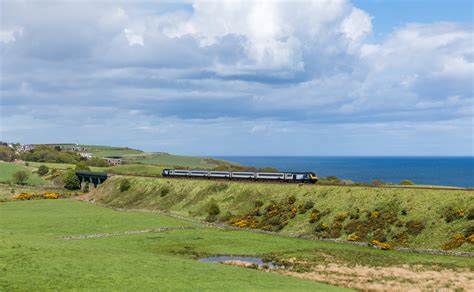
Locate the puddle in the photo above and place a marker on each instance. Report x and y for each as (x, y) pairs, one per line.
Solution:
(238, 261)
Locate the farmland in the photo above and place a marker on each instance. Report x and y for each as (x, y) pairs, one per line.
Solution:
(8, 169)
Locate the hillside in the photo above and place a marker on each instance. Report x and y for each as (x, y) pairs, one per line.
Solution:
(399, 217)
(8, 169)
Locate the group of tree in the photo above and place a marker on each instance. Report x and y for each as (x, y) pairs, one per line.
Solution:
(45, 153)
(7, 153)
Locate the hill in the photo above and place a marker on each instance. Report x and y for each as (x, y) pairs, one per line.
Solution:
(416, 218)
(8, 169)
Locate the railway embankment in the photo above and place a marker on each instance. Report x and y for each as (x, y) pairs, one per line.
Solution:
(384, 217)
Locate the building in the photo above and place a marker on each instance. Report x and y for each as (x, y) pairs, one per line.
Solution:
(114, 160)
(86, 155)
(26, 147)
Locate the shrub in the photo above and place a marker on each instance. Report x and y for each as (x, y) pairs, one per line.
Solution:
(43, 170)
(341, 216)
(456, 241)
(450, 214)
(401, 238)
(315, 216)
(470, 239)
(51, 196)
(86, 187)
(382, 245)
(309, 205)
(353, 237)
(164, 191)
(321, 227)
(469, 231)
(71, 181)
(414, 227)
(470, 214)
(377, 182)
(406, 182)
(20, 177)
(291, 200)
(124, 185)
(83, 166)
(335, 233)
(213, 209)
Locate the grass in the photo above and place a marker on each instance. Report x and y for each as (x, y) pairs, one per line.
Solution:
(62, 166)
(8, 169)
(193, 198)
(136, 169)
(6, 190)
(35, 258)
(174, 160)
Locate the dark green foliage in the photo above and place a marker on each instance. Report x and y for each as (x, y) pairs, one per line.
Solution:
(414, 227)
(308, 205)
(20, 177)
(44, 153)
(404, 212)
(406, 182)
(86, 187)
(6, 153)
(95, 161)
(71, 181)
(43, 170)
(125, 185)
(213, 209)
(469, 231)
(82, 166)
(164, 191)
(291, 200)
(470, 214)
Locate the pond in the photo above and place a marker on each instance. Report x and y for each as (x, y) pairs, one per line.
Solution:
(238, 259)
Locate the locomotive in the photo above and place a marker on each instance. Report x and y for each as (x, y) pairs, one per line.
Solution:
(295, 177)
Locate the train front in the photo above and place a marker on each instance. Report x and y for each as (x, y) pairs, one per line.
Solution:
(313, 177)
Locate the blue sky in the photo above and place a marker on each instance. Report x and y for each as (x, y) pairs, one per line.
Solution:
(240, 77)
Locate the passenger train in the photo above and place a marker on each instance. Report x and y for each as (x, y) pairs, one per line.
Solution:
(297, 177)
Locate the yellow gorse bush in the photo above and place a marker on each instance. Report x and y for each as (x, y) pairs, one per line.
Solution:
(382, 245)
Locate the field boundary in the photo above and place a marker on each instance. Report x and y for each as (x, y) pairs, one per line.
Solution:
(149, 230)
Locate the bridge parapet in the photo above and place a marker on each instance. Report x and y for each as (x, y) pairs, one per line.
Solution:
(95, 178)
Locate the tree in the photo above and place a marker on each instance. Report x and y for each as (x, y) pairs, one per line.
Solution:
(20, 177)
(6, 153)
(406, 182)
(71, 181)
(82, 166)
(43, 170)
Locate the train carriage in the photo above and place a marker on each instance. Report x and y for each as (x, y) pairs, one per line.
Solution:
(295, 177)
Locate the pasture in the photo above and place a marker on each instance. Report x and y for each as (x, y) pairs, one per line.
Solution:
(8, 169)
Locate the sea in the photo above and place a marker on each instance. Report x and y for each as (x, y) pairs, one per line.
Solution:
(441, 171)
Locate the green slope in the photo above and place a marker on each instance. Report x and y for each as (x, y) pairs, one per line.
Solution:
(8, 169)
(399, 210)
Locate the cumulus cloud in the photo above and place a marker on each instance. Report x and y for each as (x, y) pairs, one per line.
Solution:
(264, 70)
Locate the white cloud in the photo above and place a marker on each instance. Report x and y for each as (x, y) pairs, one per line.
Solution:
(133, 38)
(10, 35)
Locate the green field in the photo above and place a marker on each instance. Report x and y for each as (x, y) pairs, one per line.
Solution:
(136, 169)
(193, 197)
(8, 169)
(174, 160)
(35, 258)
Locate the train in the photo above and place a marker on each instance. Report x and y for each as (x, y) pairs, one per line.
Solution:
(290, 177)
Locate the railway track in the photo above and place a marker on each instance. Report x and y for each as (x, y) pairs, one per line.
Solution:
(315, 185)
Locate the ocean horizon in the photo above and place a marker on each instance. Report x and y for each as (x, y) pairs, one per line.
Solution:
(455, 171)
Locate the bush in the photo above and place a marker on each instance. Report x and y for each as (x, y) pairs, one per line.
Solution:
(125, 185)
(377, 182)
(414, 227)
(291, 200)
(213, 209)
(456, 241)
(83, 166)
(308, 205)
(43, 170)
(406, 182)
(20, 177)
(164, 191)
(71, 181)
(470, 214)
(450, 214)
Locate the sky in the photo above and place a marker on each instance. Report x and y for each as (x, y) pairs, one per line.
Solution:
(323, 77)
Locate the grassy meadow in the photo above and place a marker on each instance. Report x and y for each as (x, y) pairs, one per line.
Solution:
(34, 257)
(405, 217)
(8, 169)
